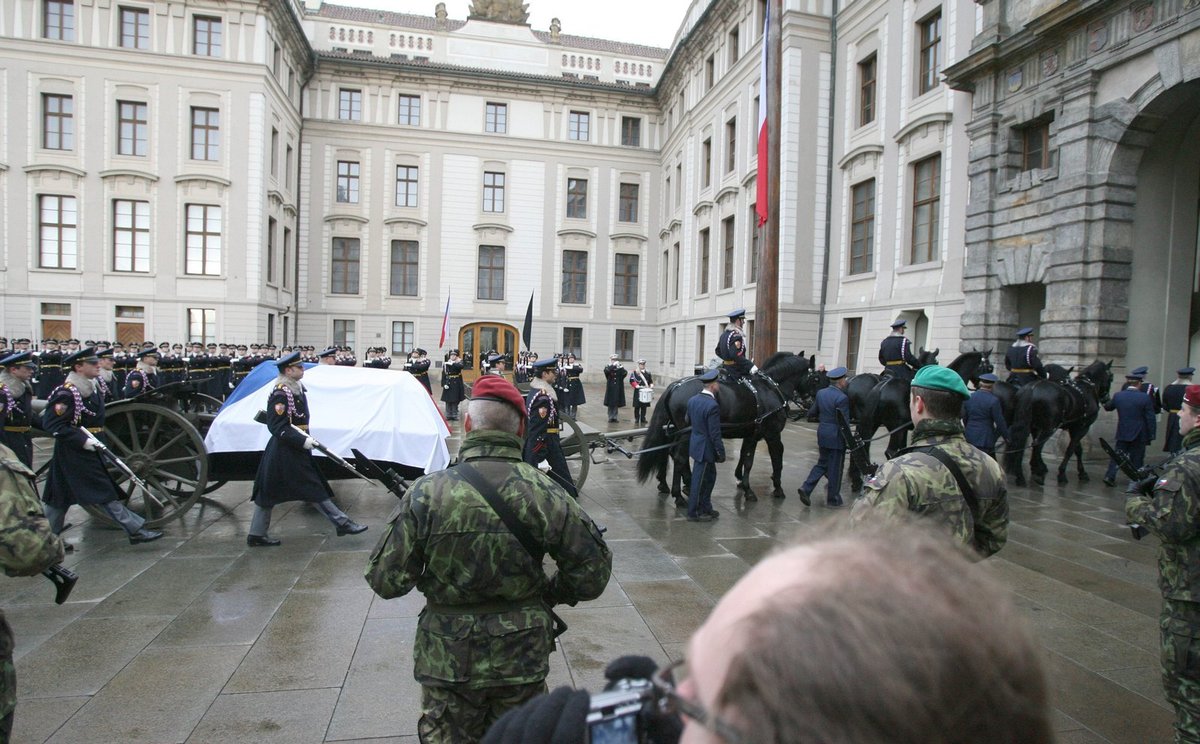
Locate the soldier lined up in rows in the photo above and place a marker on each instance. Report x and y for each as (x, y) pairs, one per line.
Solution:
(542, 442)
(16, 404)
(453, 390)
(418, 365)
(614, 387)
(568, 387)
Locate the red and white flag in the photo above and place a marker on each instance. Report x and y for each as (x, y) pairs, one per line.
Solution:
(445, 324)
(761, 207)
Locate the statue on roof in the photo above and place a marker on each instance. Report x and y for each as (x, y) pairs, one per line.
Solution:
(500, 11)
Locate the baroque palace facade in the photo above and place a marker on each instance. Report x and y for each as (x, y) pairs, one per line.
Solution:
(313, 173)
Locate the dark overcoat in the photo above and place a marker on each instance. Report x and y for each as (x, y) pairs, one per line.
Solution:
(287, 471)
(983, 420)
(704, 414)
(15, 412)
(824, 409)
(453, 390)
(614, 386)
(76, 476)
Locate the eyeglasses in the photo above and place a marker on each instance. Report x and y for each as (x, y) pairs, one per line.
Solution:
(664, 681)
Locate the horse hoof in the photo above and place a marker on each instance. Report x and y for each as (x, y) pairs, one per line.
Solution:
(778, 494)
(751, 495)
(1062, 479)
(1084, 478)
(680, 503)
(662, 488)
(1039, 479)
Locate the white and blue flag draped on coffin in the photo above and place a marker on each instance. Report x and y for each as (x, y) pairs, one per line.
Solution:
(387, 415)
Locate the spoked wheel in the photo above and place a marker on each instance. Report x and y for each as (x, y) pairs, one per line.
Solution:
(164, 451)
(575, 449)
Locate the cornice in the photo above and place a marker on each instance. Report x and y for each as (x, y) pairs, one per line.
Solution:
(576, 231)
(184, 177)
(938, 117)
(405, 221)
(481, 226)
(728, 191)
(347, 218)
(628, 236)
(701, 205)
(871, 149)
(48, 168)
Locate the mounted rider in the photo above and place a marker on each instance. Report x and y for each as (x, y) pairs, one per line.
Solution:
(896, 355)
(1022, 361)
(731, 347)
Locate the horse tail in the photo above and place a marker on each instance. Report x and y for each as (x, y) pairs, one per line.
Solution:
(654, 463)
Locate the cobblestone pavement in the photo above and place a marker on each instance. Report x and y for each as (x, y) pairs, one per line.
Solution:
(196, 638)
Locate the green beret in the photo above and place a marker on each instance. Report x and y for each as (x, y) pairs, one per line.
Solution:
(940, 378)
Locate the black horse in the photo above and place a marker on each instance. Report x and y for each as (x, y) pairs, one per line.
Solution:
(742, 417)
(882, 400)
(1007, 392)
(1044, 406)
(971, 364)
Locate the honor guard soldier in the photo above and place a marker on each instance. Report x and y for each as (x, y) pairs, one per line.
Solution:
(4, 347)
(832, 449)
(731, 347)
(1022, 361)
(288, 471)
(107, 381)
(420, 369)
(896, 354)
(16, 404)
(78, 475)
(941, 476)
(1149, 388)
(50, 369)
(1171, 511)
(642, 383)
(452, 384)
(1135, 424)
(1172, 399)
(328, 356)
(614, 387)
(542, 442)
(144, 378)
(983, 416)
(576, 396)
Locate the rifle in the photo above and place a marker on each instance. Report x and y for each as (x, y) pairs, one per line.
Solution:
(103, 449)
(63, 579)
(860, 455)
(373, 471)
(336, 458)
(1142, 480)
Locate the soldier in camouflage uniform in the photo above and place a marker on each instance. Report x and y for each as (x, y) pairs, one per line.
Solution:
(1172, 512)
(485, 636)
(27, 547)
(918, 481)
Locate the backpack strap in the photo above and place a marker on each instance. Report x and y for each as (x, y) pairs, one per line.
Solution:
(968, 491)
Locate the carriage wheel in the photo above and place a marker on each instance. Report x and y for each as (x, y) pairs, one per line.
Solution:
(579, 457)
(165, 451)
(205, 404)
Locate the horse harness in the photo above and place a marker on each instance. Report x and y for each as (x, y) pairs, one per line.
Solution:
(1073, 384)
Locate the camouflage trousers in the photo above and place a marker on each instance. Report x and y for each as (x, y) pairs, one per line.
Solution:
(458, 715)
(1180, 632)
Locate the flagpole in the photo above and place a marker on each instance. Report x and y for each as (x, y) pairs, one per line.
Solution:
(766, 307)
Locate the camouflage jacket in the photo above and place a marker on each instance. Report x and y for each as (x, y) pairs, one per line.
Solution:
(27, 547)
(916, 482)
(1172, 512)
(486, 622)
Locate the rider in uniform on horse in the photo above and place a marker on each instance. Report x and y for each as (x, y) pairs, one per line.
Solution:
(1022, 361)
(895, 353)
(731, 347)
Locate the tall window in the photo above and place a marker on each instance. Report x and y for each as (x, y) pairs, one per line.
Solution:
(493, 192)
(490, 274)
(625, 280)
(674, 343)
(58, 225)
(701, 344)
(133, 128)
(287, 261)
(202, 325)
(405, 262)
(866, 90)
(344, 265)
(727, 252)
(1035, 146)
(574, 277)
(853, 340)
(410, 110)
(755, 237)
(274, 152)
(627, 209)
(349, 104)
(732, 44)
(270, 250)
(135, 28)
(578, 124)
(730, 145)
(573, 341)
(58, 20)
(206, 36)
(577, 198)
(679, 183)
(202, 239)
(343, 333)
(931, 43)
(206, 133)
(406, 185)
(347, 182)
(495, 118)
(58, 122)
(710, 72)
(624, 344)
(705, 262)
(131, 235)
(403, 336)
(287, 169)
(664, 270)
(675, 273)
(706, 161)
(927, 178)
(631, 131)
(275, 57)
(862, 227)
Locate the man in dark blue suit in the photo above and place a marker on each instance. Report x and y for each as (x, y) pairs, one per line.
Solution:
(1135, 424)
(705, 448)
(832, 449)
(983, 416)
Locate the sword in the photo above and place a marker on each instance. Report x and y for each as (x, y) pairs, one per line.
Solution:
(336, 458)
(103, 449)
(860, 456)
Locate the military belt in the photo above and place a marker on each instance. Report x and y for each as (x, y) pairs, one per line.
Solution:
(1173, 410)
(551, 431)
(95, 429)
(18, 429)
(727, 361)
(893, 364)
(1021, 371)
(302, 427)
(453, 377)
(50, 366)
(573, 379)
(486, 608)
(419, 374)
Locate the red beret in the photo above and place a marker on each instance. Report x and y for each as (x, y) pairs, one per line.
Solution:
(1191, 396)
(495, 387)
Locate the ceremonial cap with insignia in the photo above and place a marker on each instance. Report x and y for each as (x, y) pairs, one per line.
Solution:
(900, 323)
(988, 377)
(1140, 371)
(1191, 396)
(1026, 331)
(421, 351)
(496, 388)
(709, 376)
(148, 352)
(836, 373)
(739, 313)
(288, 361)
(544, 364)
(1134, 375)
(934, 377)
(21, 358)
(331, 351)
(1185, 371)
(83, 356)
(104, 354)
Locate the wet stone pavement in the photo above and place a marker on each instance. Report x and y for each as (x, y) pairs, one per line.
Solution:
(196, 638)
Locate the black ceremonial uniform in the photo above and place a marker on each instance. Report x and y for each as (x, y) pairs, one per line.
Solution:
(420, 370)
(541, 437)
(77, 476)
(50, 373)
(287, 471)
(16, 421)
(1023, 364)
(897, 358)
(138, 382)
(453, 391)
(731, 347)
(1172, 401)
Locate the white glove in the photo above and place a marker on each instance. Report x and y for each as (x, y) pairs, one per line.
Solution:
(309, 443)
(753, 369)
(89, 445)
(445, 387)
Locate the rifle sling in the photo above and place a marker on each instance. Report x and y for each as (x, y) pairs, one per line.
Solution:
(488, 492)
(968, 492)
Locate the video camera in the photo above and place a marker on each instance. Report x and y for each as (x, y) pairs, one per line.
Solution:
(622, 714)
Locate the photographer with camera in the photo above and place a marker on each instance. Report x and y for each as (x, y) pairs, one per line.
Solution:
(885, 634)
(1172, 512)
